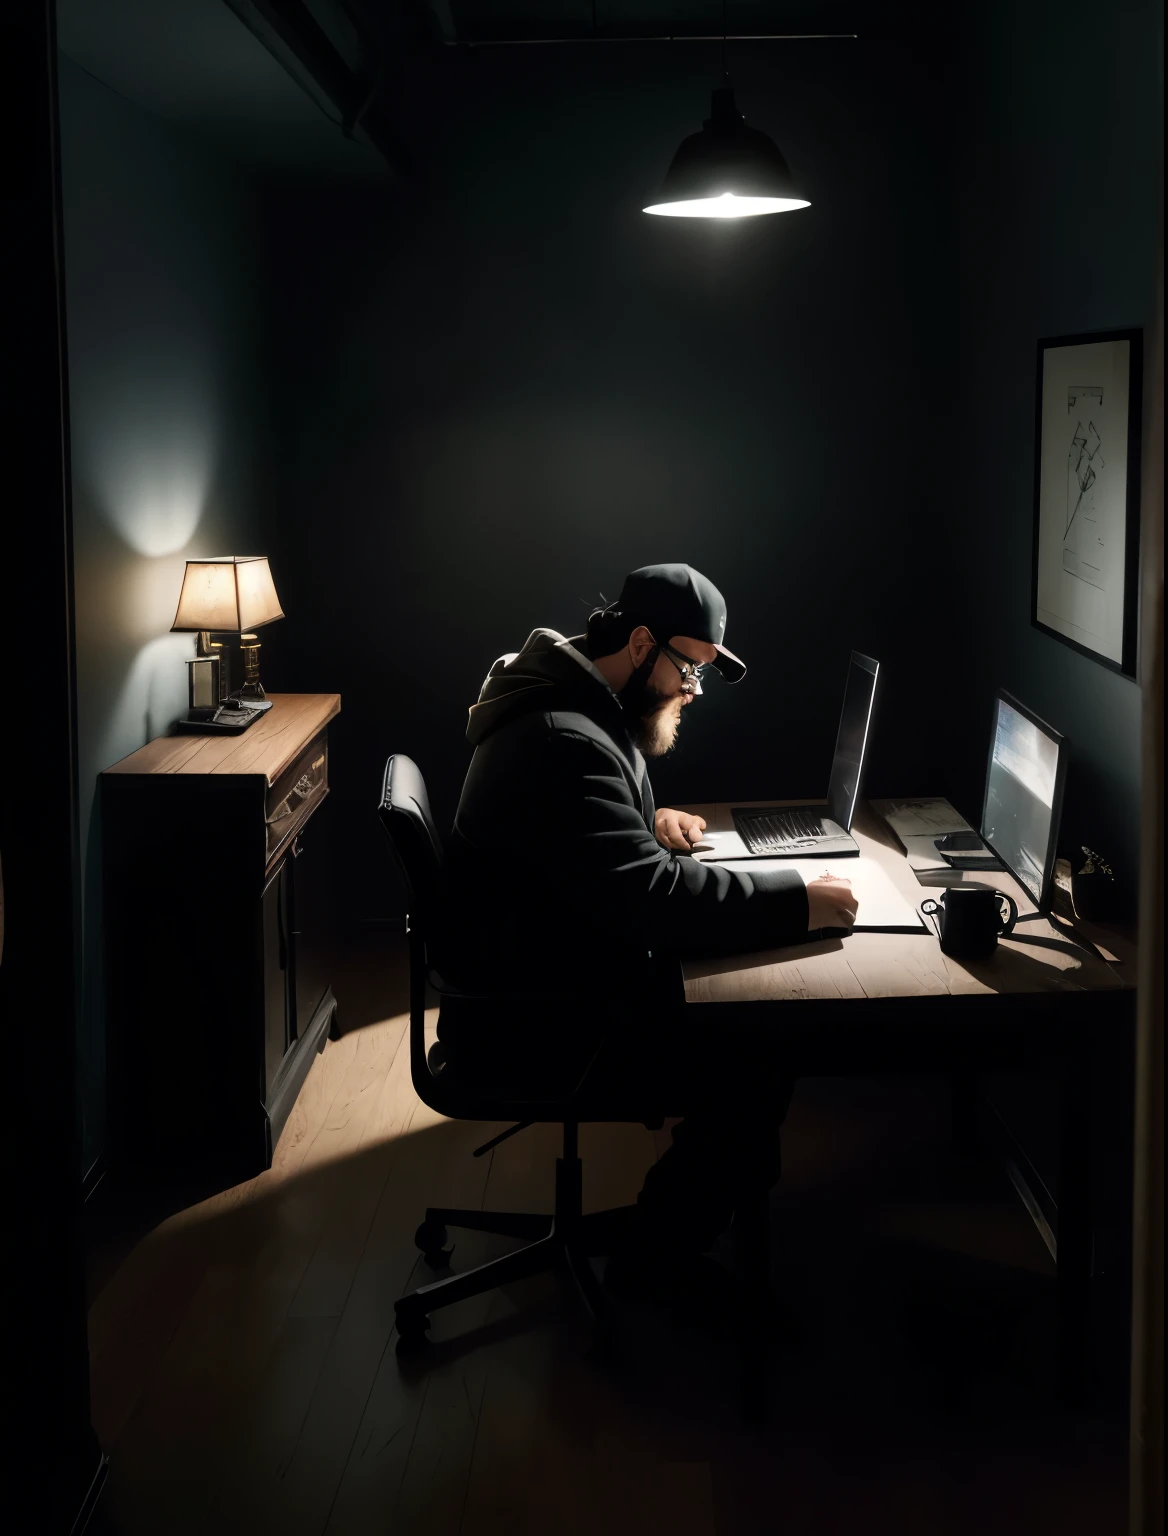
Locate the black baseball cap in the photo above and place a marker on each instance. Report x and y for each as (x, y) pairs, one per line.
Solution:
(677, 600)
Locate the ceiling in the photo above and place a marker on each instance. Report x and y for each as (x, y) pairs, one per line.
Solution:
(226, 70)
(471, 21)
(196, 64)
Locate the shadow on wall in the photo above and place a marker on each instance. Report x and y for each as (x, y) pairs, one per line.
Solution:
(164, 429)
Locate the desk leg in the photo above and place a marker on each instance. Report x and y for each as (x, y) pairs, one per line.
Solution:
(1074, 1225)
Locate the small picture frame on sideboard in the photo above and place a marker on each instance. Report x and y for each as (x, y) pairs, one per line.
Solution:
(1085, 579)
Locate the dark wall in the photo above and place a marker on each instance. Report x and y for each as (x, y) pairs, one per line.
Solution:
(166, 426)
(1060, 193)
(505, 386)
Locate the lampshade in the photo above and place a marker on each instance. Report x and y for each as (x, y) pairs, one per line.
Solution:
(233, 593)
(728, 171)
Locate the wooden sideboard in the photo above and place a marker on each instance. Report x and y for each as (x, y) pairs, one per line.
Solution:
(217, 938)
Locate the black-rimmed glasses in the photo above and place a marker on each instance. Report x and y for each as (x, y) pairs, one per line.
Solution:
(691, 670)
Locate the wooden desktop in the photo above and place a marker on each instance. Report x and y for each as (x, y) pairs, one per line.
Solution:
(902, 965)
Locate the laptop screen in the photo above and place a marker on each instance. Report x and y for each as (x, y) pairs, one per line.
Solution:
(1023, 794)
(848, 763)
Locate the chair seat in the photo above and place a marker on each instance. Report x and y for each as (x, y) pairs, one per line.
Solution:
(469, 1098)
(470, 1101)
(466, 1082)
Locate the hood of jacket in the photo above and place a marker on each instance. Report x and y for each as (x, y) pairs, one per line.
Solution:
(548, 673)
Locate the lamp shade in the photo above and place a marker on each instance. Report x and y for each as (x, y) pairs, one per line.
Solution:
(728, 171)
(232, 593)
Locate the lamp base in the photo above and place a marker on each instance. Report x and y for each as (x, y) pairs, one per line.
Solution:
(229, 719)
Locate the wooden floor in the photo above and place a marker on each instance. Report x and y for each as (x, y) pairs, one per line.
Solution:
(244, 1376)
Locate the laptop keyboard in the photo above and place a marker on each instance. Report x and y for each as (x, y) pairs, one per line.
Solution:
(774, 831)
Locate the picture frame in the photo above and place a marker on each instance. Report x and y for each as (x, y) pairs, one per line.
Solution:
(1088, 418)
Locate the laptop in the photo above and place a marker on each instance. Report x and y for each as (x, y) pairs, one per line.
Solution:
(811, 831)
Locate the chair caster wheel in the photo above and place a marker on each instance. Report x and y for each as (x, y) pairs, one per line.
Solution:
(334, 1029)
(431, 1239)
(411, 1337)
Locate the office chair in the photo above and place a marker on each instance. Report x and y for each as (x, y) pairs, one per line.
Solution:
(566, 1240)
(563, 1241)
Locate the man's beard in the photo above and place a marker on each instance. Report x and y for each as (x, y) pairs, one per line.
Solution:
(653, 717)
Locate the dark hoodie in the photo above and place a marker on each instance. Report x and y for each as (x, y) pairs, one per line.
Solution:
(555, 878)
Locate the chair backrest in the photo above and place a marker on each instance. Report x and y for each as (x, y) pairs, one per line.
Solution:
(417, 850)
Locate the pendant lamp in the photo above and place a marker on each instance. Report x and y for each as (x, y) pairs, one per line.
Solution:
(728, 171)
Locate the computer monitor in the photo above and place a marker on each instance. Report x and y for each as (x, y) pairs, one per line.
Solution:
(1024, 795)
(847, 765)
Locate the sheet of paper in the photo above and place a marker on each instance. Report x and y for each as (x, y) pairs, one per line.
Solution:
(923, 857)
(881, 905)
(927, 864)
(920, 818)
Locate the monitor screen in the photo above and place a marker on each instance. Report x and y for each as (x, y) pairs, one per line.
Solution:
(847, 765)
(1023, 795)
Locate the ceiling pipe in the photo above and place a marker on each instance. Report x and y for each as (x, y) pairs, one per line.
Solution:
(672, 37)
(296, 40)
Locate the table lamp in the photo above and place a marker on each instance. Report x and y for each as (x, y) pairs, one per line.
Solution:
(231, 594)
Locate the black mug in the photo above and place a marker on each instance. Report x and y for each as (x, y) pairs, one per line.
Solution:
(972, 920)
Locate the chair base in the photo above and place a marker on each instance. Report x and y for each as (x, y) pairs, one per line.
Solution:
(551, 1253)
(564, 1243)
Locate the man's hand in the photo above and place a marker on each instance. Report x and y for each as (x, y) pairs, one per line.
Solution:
(678, 829)
(830, 903)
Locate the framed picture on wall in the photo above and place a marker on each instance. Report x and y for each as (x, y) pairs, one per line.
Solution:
(1085, 584)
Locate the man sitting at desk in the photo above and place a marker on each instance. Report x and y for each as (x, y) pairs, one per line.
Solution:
(566, 883)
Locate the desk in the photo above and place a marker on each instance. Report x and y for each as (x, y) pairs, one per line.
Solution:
(894, 1002)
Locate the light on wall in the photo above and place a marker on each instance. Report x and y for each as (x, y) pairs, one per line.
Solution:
(727, 171)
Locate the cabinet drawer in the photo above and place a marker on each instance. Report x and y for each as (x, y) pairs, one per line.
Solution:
(295, 794)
